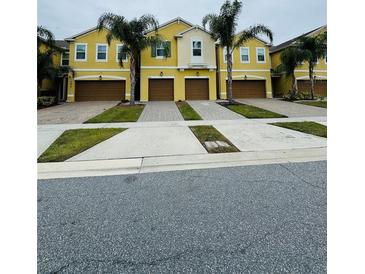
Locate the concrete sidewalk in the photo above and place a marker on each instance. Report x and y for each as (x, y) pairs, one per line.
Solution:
(147, 139)
(177, 123)
(285, 108)
(182, 162)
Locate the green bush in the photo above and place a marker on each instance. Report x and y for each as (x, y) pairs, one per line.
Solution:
(46, 101)
(291, 96)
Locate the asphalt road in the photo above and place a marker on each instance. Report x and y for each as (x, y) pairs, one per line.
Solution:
(254, 219)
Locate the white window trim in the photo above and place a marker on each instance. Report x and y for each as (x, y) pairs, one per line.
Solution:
(224, 56)
(193, 39)
(62, 58)
(80, 60)
(116, 54)
(161, 57)
(249, 60)
(257, 55)
(96, 52)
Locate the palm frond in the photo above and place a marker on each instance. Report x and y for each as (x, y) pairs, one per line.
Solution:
(251, 33)
(149, 22)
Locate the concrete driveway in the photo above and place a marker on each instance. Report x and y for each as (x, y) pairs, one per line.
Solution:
(145, 142)
(73, 113)
(160, 111)
(285, 108)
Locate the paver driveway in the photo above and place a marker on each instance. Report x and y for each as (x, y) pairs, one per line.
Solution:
(72, 113)
(286, 108)
(210, 110)
(160, 111)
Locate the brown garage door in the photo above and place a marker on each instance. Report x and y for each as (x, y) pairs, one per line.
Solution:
(197, 89)
(161, 90)
(248, 89)
(320, 87)
(100, 90)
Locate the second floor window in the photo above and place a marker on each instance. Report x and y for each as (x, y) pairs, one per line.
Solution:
(121, 54)
(160, 50)
(65, 58)
(245, 55)
(81, 52)
(101, 52)
(197, 48)
(260, 53)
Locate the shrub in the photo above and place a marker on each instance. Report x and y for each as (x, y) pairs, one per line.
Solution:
(291, 96)
(46, 101)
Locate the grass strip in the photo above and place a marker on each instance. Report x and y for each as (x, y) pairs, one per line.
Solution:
(118, 114)
(209, 133)
(253, 112)
(75, 141)
(187, 111)
(306, 127)
(321, 104)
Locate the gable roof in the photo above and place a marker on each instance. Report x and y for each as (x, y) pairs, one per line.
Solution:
(195, 27)
(177, 19)
(72, 38)
(292, 41)
(62, 44)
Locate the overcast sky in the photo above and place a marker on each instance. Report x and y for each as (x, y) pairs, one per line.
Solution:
(286, 18)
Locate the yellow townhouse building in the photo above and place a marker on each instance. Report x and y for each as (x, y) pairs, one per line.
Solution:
(97, 74)
(282, 84)
(189, 70)
(250, 70)
(195, 67)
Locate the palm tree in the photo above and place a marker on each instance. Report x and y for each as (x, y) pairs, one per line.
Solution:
(46, 69)
(132, 35)
(290, 58)
(315, 48)
(222, 27)
(45, 35)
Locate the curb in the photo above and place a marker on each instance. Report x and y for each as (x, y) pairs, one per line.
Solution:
(173, 163)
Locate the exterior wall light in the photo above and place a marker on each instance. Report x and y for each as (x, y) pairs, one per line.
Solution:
(197, 73)
(100, 77)
(161, 73)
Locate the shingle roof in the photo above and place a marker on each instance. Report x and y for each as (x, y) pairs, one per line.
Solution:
(62, 44)
(291, 41)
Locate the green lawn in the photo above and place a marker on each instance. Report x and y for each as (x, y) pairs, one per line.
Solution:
(321, 104)
(306, 127)
(187, 111)
(253, 112)
(75, 141)
(118, 114)
(209, 133)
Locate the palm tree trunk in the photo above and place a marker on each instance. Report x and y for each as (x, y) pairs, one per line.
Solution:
(294, 84)
(133, 78)
(229, 75)
(311, 79)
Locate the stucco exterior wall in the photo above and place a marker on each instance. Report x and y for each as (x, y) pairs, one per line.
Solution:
(185, 48)
(179, 81)
(91, 69)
